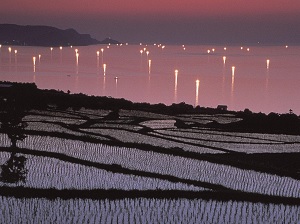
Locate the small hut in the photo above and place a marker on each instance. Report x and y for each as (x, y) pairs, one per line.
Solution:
(222, 107)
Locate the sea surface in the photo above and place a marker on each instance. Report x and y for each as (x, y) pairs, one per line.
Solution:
(175, 73)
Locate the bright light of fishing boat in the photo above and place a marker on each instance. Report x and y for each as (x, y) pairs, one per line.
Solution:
(77, 58)
(197, 92)
(149, 66)
(104, 68)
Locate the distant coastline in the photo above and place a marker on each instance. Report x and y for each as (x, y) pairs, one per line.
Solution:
(46, 36)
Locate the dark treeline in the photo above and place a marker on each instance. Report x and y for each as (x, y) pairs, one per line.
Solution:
(26, 96)
(29, 96)
(272, 123)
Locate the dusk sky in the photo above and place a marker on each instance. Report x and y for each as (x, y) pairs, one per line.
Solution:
(167, 21)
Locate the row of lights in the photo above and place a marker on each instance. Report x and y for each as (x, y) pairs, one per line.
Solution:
(141, 51)
(158, 45)
(232, 69)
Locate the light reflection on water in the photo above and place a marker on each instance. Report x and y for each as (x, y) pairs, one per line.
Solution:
(149, 77)
(197, 92)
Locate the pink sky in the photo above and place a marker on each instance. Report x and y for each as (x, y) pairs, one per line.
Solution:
(165, 18)
(163, 7)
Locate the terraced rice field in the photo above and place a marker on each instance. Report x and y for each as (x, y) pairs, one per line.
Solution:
(82, 167)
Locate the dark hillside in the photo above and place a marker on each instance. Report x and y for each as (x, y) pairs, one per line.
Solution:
(11, 34)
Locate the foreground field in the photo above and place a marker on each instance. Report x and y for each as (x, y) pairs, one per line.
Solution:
(129, 166)
(142, 210)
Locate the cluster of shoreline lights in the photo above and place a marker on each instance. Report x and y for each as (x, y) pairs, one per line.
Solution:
(144, 50)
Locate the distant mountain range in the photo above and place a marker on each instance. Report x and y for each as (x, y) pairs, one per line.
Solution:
(11, 34)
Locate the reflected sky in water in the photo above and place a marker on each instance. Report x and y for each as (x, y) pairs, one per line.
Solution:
(263, 79)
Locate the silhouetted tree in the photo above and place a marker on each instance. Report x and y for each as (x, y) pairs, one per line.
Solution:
(13, 126)
(12, 112)
(181, 124)
(14, 169)
(113, 115)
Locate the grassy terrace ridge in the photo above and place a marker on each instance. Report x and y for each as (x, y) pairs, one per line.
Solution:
(22, 192)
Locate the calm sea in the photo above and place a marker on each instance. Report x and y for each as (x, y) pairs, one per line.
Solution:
(170, 74)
